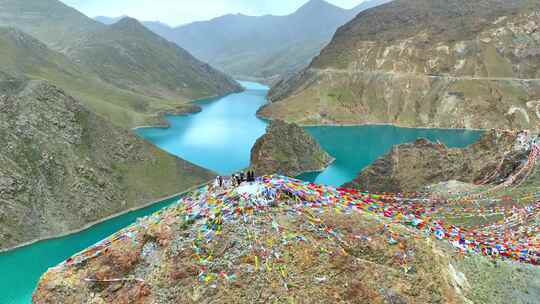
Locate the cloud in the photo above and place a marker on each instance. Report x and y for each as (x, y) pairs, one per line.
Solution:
(177, 12)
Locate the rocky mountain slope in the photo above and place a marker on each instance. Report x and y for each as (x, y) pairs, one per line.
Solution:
(262, 47)
(25, 57)
(429, 63)
(50, 21)
(287, 149)
(280, 240)
(138, 72)
(132, 57)
(62, 166)
(411, 167)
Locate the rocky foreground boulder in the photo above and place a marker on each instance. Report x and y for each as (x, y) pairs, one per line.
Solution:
(412, 166)
(62, 167)
(287, 149)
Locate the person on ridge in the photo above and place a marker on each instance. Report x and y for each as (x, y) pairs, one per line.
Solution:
(242, 177)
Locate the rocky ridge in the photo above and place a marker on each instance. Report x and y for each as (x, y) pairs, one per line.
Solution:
(132, 57)
(413, 166)
(262, 48)
(287, 149)
(449, 64)
(62, 167)
(281, 240)
(123, 72)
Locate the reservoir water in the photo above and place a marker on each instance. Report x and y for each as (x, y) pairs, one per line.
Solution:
(355, 148)
(21, 268)
(219, 138)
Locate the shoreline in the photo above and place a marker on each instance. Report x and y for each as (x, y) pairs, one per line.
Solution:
(319, 170)
(160, 116)
(391, 125)
(100, 221)
(374, 124)
(162, 123)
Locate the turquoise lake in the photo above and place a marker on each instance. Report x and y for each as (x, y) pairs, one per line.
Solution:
(356, 147)
(21, 268)
(219, 138)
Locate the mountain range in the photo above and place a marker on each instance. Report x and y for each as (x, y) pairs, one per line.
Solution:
(63, 167)
(423, 63)
(134, 73)
(70, 88)
(453, 225)
(260, 47)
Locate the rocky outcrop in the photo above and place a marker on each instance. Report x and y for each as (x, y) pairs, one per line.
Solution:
(287, 149)
(10, 85)
(278, 255)
(413, 166)
(281, 240)
(62, 167)
(450, 64)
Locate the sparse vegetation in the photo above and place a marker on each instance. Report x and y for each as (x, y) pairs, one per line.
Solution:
(420, 63)
(62, 166)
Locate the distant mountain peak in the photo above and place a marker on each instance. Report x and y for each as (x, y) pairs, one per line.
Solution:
(128, 21)
(130, 25)
(316, 3)
(317, 6)
(109, 20)
(157, 22)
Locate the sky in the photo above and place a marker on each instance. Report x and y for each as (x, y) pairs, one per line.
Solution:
(177, 12)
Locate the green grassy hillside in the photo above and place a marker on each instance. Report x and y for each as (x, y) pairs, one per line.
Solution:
(123, 72)
(62, 166)
(22, 55)
(132, 57)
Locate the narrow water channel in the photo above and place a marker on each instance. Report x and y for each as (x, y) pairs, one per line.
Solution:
(218, 138)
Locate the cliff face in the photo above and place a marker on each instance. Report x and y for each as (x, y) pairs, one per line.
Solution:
(424, 63)
(62, 167)
(287, 149)
(413, 166)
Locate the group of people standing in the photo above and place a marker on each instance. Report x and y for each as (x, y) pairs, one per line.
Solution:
(241, 177)
(236, 180)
